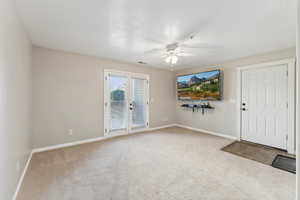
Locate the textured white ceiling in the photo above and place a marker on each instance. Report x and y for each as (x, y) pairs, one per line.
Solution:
(124, 29)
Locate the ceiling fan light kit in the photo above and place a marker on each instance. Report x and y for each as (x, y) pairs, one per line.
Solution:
(172, 59)
(173, 51)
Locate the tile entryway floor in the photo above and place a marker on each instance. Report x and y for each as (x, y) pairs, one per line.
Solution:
(168, 164)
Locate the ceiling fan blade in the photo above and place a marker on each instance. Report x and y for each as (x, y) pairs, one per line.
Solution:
(187, 38)
(156, 50)
(183, 54)
(200, 46)
(195, 33)
(155, 41)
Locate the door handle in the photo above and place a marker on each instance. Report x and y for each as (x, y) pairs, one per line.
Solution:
(131, 106)
(244, 109)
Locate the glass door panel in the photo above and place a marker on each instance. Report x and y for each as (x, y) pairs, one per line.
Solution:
(118, 103)
(138, 104)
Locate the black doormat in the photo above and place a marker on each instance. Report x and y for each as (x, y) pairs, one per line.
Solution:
(285, 163)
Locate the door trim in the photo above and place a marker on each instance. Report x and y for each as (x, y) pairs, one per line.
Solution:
(291, 63)
(129, 75)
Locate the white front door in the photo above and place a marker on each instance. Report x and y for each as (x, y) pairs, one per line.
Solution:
(126, 103)
(265, 106)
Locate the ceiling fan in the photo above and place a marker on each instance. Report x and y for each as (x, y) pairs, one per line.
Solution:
(173, 51)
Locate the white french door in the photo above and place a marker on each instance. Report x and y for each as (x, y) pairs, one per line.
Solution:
(264, 99)
(126, 102)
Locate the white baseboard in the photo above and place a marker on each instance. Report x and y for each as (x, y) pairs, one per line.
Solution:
(69, 144)
(207, 132)
(59, 146)
(161, 127)
(22, 176)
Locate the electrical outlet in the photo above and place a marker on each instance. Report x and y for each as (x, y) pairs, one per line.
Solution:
(70, 132)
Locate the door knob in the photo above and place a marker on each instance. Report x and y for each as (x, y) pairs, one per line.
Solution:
(243, 109)
(131, 106)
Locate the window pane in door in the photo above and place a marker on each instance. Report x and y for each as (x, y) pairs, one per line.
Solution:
(139, 103)
(118, 102)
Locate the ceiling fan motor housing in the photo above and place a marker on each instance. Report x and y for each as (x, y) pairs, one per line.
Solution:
(172, 47)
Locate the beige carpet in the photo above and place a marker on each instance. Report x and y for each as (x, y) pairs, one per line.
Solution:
(170, 164)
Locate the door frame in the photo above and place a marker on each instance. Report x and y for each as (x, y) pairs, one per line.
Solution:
(129, 75)
(291, 65)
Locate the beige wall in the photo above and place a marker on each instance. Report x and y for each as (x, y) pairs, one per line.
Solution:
(15, 99)
(68, 94)
(223, 118)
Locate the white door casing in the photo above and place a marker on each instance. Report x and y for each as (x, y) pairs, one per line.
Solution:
(118, 120)
(266, 102)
